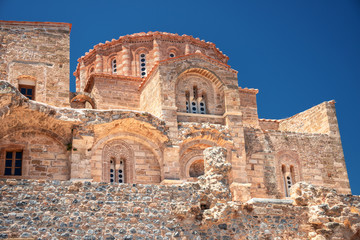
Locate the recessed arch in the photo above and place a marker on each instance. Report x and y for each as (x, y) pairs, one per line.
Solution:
(37, 130)
(129, 139)
(199, 91)
(288, 170)
(82, 99)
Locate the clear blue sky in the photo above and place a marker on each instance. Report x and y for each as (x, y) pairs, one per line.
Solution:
(298, 53)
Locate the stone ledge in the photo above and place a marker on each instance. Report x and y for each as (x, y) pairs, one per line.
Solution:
(269, 200)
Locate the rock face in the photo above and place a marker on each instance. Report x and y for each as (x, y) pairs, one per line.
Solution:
(198, 210)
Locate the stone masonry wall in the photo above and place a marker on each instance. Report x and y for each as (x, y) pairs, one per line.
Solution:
(116, 94)
(37, 53)
(316, 159)
(43, 157)
(152, 90)
(248, 107)
(313, 120)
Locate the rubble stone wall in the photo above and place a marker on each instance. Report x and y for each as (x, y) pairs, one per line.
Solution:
(68, 210)
(37, 209)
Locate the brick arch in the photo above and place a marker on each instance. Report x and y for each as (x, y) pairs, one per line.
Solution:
(82, 98)
(129, 139)
(208, 84)
(204, 72)
(193, 151)
(108, 60)
(172, 49)
(188, 160)
(43, 131)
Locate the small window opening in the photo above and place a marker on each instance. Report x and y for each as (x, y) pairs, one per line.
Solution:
(195, 92)
(117, 170)
(187, 103)
(259, 185)
(196, 104)
(113, 66)
(13, 163)
(252, 167)
(202, 106)
(171, 55)
(288, 179)
(28, 91)
(143, 65)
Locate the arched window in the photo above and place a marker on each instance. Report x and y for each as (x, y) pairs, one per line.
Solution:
(113, 66)
(142, 65)
(117, 167)
(172, 55)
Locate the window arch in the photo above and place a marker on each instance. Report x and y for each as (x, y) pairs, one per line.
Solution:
(118, 161)
(197, 168)
(289, 170)
(172, 52)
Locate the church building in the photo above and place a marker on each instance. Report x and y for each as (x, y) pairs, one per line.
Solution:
(146, 107)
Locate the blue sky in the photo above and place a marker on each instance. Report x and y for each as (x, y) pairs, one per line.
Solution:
(297, 53)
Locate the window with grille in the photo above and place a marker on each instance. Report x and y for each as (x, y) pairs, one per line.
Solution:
(113, 66)
(143, 65)
(13, 163)
(288, 178)
(28, 91)
(195, 103)
(117, 168)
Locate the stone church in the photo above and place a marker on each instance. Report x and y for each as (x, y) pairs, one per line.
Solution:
(146, 107)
